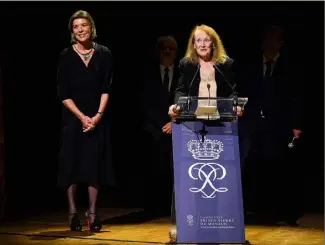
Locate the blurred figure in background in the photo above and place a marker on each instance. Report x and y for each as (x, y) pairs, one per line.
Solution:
(160, 82)
(272, 118)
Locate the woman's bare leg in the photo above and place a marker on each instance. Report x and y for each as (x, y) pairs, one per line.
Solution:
(92, 193)
(71, 193)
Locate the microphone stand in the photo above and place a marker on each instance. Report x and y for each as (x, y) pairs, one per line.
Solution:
(292, 143)
(235, 103)
(189, 89)
(203, 131)
(208, 86)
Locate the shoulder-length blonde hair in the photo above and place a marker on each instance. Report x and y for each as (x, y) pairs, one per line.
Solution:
(219, 54)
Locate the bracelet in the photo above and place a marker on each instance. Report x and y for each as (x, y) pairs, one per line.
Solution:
(101, 113)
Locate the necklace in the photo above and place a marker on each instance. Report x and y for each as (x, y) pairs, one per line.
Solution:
(86, 55)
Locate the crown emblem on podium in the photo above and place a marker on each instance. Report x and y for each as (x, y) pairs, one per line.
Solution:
(205, 150)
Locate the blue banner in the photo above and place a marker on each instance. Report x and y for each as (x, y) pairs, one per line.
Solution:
(209, 206)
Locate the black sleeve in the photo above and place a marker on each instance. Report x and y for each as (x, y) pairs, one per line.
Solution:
(182, 86)
(63, 89)
(229, 69)
(108, 70)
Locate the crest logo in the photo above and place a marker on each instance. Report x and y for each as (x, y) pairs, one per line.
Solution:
(205, 150)
(207, 173)
(190, 220)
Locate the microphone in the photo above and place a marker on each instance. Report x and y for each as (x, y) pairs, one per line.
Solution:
(292, 143)
(189, 88)
(229, 84)
(235, 94)
(208, 86)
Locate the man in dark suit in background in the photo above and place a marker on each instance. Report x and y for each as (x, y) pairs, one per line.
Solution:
(272, 117)
(161, 79)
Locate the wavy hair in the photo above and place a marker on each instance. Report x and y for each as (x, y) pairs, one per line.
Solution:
(219, 54)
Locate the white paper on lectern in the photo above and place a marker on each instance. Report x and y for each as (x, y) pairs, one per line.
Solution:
(207, 112)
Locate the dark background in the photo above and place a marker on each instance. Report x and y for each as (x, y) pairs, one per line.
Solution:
(33, 35)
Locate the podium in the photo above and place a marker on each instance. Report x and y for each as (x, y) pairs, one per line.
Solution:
(207, 175)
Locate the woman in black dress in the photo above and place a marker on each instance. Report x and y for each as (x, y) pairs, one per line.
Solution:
(84, 83)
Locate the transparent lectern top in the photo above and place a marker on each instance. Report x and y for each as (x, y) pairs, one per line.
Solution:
(210, 108)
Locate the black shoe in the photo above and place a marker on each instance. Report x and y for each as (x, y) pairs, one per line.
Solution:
(75, 222)
(96, 225)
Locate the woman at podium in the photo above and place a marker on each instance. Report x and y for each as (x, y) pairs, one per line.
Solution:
(206, 70)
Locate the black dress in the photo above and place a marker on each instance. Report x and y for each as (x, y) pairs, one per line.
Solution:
(85, 157)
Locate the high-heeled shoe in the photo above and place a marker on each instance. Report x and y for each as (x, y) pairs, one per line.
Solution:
(75, 224)
(96, 225)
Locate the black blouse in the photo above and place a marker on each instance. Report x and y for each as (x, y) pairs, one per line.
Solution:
(85, 84)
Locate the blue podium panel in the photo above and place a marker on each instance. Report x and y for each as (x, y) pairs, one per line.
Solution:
(209, 207)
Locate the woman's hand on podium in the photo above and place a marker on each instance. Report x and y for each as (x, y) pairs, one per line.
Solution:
(167, 129)
(240, 111)
(174, 111)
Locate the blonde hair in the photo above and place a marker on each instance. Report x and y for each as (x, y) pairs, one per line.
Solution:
(219, 54)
